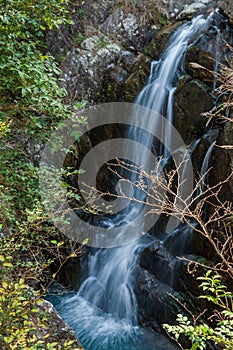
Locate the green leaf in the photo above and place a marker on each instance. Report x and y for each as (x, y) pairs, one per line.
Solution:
(85, 241)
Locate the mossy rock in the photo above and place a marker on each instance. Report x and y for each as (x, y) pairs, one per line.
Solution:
(137, 79)
(160, 41)
(196, 58)
(191, 100)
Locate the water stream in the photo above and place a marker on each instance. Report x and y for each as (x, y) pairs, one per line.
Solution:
(104, 311)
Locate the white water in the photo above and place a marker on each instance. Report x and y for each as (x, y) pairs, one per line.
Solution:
(158, 94)
(205, 164)
(104, 311)
(217, 58)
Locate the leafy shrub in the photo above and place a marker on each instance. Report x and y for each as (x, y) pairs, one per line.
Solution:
(32, 102)
(201, 333)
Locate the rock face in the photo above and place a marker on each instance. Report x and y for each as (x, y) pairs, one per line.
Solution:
(222, 163)
(190, 123)
(84, 69)
(103, 71)
(106, 57)
(152, 296)
(124, 28)
(59, 331)
(227, 7)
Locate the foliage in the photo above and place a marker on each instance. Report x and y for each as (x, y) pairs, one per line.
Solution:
(32, 102)
(199, 333)
(29, 245)
(21, 317)
(29, 90)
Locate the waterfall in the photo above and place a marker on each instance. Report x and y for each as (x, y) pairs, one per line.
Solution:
(158, 94)
(205, 164)
(104, 311)
(217, 57)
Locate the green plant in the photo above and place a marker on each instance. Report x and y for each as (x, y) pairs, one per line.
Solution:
(32, 103)
(103, 42)
(22, 320)
(199, 333)
(79, 39)
(29, 90)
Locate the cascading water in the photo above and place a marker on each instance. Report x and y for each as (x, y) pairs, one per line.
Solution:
(104, 311)
(206, 160)
(158, 94)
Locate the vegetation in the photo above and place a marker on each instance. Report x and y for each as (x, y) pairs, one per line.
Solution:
(32, 102)
(29, 89)
(196, 329)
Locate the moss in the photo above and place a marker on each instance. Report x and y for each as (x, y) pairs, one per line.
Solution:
(79, 39)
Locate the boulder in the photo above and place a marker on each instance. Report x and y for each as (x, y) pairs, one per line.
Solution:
(59, 331)
(191, 100)
(122, 27)
(194, 8)
(134, 24)
(227, 7)
(103, 71)
(160, 41)
(85, 68)
(153, 300)
(221, 162)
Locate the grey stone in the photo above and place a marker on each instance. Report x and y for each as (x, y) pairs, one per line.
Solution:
(191, 100)
(227, 7)
(59, 331)
(84, 69)
(192, 9)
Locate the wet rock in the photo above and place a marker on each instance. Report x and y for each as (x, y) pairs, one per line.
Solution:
(154, 288)
(197, 57)
(210, 50)
(221, 163)
(157, 258)
(137, 78)
(166, 257)
(191, 100)
(155, 303)
(59, 331)
(160, 41)
(200, 148)
(153, 300)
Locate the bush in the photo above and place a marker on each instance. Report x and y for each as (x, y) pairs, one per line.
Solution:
(32, 102)
(200, 333)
